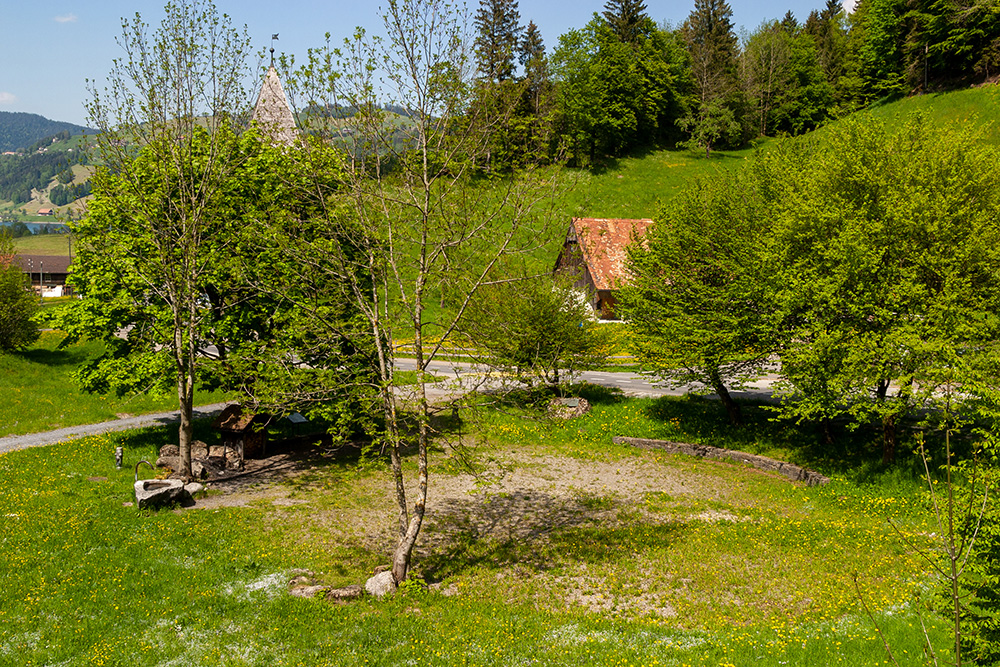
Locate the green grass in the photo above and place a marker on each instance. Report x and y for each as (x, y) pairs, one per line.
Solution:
(968, 108)
(87, 580)
(39, 394)
(634, 187)
(43, 244)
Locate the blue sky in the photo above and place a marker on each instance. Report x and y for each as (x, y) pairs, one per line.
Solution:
(49, 49)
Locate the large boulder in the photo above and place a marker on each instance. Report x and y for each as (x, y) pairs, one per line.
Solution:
(381, 584)
(151, 493)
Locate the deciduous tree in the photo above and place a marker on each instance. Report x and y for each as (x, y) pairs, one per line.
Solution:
(18, 303)
(154, 234)
(699, 299)
(426, 224)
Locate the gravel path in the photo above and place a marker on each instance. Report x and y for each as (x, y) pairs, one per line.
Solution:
(15, 442)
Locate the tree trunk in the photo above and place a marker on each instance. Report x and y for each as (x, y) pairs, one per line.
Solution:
(404, 551)
(719, 387)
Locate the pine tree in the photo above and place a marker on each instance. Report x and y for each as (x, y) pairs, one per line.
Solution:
(712, 44)
(498, 23)
(531, 56)
(627, 19)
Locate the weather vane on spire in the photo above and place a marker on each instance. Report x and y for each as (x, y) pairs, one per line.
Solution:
(274, 38)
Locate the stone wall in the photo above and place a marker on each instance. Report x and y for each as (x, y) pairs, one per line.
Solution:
(792, 472)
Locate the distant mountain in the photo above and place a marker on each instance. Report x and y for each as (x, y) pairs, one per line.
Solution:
(19, 130)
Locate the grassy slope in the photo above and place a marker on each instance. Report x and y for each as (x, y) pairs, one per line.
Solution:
(43, 244)
(39, 394)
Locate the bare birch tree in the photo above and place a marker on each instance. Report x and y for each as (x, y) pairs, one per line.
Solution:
(435, 229)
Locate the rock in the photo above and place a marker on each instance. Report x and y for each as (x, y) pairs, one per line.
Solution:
(194, 488)
(199, 450)
(307, 591)
(170, 450)
(381, 584)
(172, 462)
(159, 492)
(220, 452)
(568, 408)
(352, 592)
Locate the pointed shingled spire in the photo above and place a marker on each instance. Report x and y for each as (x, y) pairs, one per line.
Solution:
(273, 113)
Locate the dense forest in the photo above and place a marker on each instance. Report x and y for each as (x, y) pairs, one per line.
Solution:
(19, 174)
(623, 82)
(19, 130)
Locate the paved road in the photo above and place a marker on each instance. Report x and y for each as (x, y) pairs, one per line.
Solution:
(462, 377)
(632, 384)
(10, 443)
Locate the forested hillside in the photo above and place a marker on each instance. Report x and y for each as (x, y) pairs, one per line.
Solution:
(623, 82)
(20, 130)
(20, 174)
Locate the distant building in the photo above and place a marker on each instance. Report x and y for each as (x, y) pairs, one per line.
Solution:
(594, 251)
(273, 114)
(45, 211)
(46, 272)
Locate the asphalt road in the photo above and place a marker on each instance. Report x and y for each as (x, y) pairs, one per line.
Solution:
(459, 378)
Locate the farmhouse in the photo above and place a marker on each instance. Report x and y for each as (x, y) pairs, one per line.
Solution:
(47, 272)
(594, 251)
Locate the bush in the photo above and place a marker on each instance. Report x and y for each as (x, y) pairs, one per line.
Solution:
(17, 303)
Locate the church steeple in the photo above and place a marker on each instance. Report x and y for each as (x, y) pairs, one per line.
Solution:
(273, 113)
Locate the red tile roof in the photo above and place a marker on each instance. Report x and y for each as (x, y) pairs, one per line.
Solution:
(602, 242)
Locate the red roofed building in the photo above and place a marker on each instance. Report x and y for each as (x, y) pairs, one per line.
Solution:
(595, 250)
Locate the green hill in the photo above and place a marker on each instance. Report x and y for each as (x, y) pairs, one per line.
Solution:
(634, 186)
(20, 130)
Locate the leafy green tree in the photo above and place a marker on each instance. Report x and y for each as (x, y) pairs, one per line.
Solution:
(880, 47)
(18, 304)
(888, 272)
(613, 96)
(535, 330)
(699, 301)
(155, 231)
(766, 66)
(711, 124)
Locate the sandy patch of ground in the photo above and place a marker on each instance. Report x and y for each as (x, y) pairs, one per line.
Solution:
(520, 498)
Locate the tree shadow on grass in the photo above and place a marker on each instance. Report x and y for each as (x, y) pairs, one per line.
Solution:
(69, 356)
(764, 431)
(529, 529)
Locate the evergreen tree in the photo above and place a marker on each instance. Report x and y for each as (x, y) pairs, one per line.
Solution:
(627, 19)
(498, 24)
(531, 56)
(712, 44)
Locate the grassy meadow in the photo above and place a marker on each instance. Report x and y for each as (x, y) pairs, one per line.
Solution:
(545, 543)
(732, 567)
(38, 393)
(43, 244)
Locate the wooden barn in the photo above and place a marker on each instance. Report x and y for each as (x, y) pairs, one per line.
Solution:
(594, 251)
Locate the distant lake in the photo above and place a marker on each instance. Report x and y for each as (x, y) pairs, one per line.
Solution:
(53, 227)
